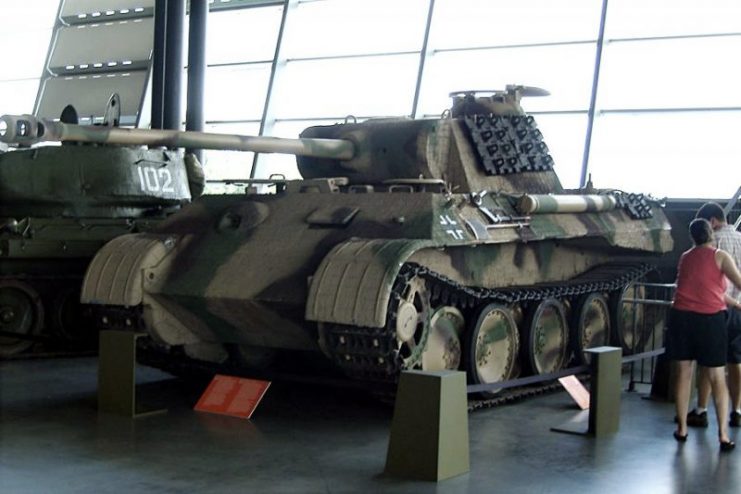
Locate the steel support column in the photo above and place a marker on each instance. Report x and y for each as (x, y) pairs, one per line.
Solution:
(172, 110)
(158, 63)
(197, 27)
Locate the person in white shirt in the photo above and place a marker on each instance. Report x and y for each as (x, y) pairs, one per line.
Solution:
(729, 240)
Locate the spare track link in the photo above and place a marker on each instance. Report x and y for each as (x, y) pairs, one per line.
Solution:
(370, 354)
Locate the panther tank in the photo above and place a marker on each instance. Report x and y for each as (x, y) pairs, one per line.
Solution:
(58, 206)
(408, 244)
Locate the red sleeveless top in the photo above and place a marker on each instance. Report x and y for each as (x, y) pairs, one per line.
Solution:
(700, 282)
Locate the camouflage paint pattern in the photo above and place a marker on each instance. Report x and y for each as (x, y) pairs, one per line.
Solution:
(351, 266)
(263, 270)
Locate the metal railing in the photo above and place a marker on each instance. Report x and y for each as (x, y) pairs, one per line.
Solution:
(648, 305)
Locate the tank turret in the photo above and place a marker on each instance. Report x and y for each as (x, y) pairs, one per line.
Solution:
(484, 143)
(436, 244)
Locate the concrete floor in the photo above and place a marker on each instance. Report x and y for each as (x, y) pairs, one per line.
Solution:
(308, 439)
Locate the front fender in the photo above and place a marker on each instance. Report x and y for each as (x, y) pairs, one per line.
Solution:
(353, 282)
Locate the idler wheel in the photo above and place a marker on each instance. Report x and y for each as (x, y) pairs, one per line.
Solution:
(443, 348)
(591, 325)
(547, 337)
(493, 344)
(412, 322)
(21, 312)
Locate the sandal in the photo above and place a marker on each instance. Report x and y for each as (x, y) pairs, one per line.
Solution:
(726, 446)
(680, 438)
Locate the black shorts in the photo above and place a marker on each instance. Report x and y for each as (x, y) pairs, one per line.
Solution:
(734, 336)
(701, 337)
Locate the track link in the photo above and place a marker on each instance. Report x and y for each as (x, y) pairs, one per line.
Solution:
(370, 354)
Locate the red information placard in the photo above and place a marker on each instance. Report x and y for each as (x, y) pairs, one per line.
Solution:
(234, 396)
(576, 389)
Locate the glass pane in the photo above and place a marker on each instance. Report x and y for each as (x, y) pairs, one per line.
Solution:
(27, 26)
(18, 97)
(463, 23)
(345, 27)
(639, 18)
(677, 73)
(368, 86)
(242, 35)
(564, 135)
(277, 164)
(31, 65)
(566, 71)
(20, 16)
(236, 92)
(221, 165)
(690, 155)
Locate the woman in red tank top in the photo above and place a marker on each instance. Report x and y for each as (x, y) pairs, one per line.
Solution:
(697, 329)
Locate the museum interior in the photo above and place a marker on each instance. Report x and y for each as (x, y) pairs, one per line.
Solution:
(338, 246)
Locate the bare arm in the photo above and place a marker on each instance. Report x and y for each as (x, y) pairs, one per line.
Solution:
(728, 267)
(732, 302)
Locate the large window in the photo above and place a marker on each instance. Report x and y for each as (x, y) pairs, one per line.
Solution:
(668, 106)
(355, 27)
(367, 86)
(667, 97)
(672, 73)
(647, 18)
(671, 154)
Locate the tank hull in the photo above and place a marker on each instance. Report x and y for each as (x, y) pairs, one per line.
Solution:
(270, 271)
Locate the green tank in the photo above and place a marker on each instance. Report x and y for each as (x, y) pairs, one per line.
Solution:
(58, 206)
(409, 244)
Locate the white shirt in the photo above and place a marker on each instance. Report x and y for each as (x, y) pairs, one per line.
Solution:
(729, 240)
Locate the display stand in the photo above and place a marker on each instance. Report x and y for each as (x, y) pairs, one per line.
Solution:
(429, 431)
(603, 417)
(117, 375)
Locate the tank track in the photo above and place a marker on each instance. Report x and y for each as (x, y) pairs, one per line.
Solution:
(512, 395)
(369, 354)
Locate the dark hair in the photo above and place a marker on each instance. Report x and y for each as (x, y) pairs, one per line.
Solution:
(701, 231)
(711, 210)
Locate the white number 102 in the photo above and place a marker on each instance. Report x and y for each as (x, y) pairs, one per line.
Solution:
(155, 179)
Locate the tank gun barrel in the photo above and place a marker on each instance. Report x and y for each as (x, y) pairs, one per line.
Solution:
(27, 130)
